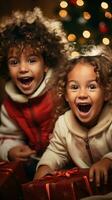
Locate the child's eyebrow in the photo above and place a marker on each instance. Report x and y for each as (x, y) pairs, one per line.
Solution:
(11, 57)
(34, 54)
(92, 80)
(71, 81)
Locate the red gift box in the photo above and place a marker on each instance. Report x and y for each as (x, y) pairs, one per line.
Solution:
(67, 185)
(12, 176)
(70, 184)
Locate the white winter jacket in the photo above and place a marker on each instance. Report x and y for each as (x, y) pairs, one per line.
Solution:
(70, 140)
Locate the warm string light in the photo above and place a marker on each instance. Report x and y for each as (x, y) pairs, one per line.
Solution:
(63, 13)
(108, 15)
(86, 15)
(72, 37)
(80, 3)
(104, 5)
(63, 4)
(106, 41)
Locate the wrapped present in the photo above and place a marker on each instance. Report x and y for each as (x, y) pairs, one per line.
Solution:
(67, 185)
(12, 176)
(72, 184)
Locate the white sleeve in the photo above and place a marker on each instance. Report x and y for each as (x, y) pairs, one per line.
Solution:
(10, 134)
(108, 139)
(56, 155)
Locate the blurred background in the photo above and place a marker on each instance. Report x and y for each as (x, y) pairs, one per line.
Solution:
(85, 21)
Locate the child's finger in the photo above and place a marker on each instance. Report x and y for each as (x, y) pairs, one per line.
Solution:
(97, 178)
(105, 177)
(91, 175)
(25, 154)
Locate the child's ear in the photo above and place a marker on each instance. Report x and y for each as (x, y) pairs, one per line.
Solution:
(46, 69)
(66, 97)
(107, 97)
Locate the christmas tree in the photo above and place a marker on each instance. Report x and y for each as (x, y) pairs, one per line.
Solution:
(87, 21)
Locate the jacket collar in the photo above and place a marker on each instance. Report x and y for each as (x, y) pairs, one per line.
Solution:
(12, 91)
(104, 121)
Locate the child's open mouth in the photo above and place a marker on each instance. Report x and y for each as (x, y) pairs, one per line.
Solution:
(26, 80)
(84, 107)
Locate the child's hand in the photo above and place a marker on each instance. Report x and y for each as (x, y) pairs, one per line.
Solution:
(42, 171)
(99, 171)
(21, 152)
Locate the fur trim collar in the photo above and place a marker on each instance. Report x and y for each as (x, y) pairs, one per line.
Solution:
(12, 91)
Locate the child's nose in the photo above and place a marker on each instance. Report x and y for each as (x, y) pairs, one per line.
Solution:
(23, 67)
(83, 93)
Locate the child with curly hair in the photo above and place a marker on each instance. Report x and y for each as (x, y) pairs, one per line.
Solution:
(31, 49)
(83, 132)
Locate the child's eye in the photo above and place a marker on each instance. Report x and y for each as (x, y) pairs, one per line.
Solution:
(12, 62)
(32, 59)
(73, 86)
(92, 86)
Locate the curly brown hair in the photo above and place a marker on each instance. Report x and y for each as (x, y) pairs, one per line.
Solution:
(102, 63)
(31, 28)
